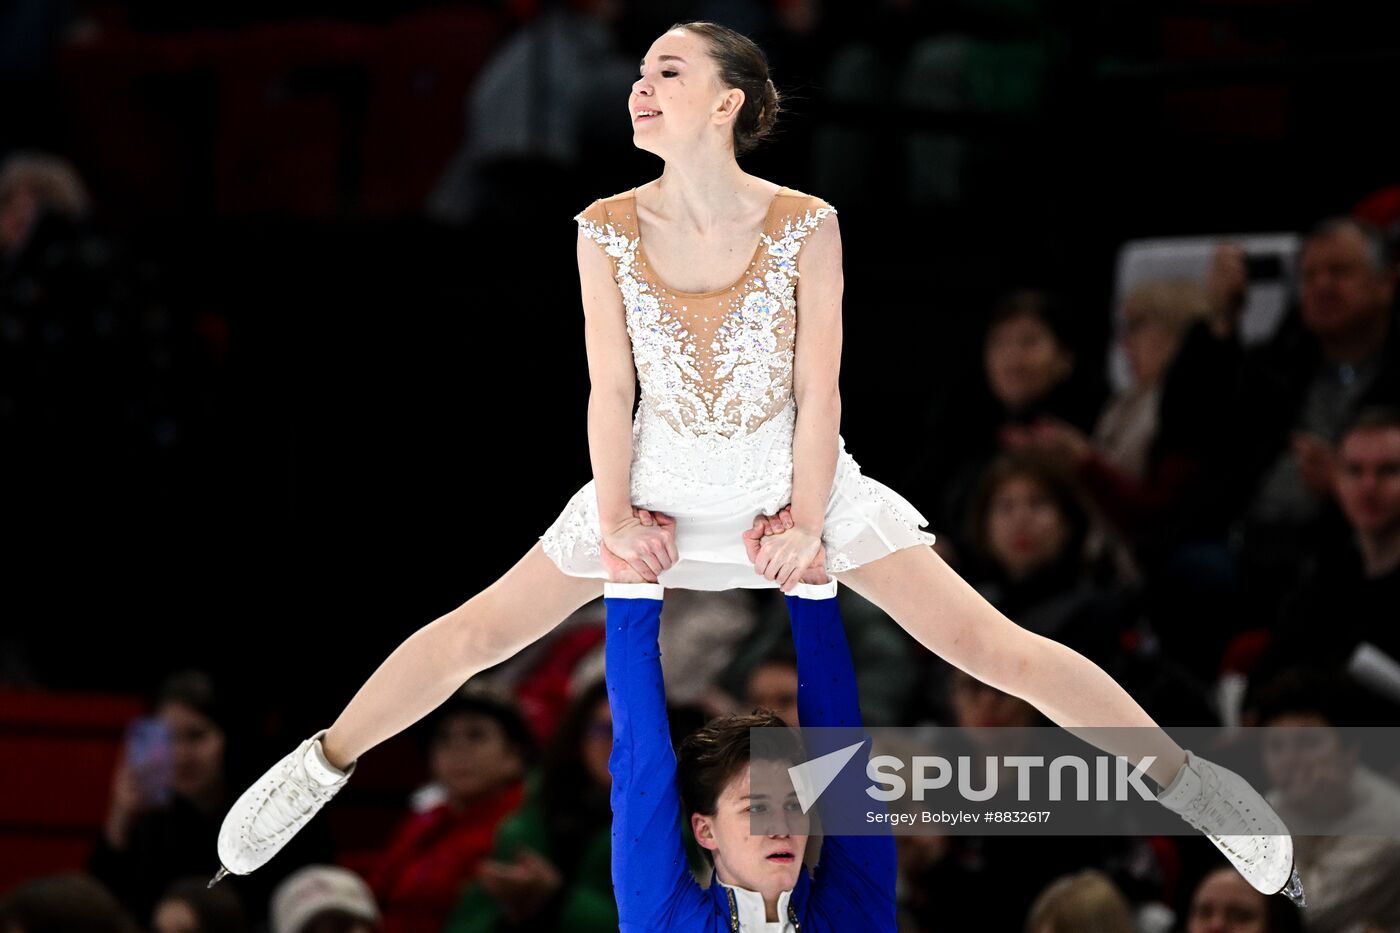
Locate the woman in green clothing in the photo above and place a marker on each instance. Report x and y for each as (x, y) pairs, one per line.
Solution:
(552, 864)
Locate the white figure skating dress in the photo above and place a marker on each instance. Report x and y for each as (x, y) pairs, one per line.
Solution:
(712, 436)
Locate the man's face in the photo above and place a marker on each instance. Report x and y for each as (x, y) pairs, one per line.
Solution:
(1225, 903)
(768, 863)
(1342, 291)
(1368, 479)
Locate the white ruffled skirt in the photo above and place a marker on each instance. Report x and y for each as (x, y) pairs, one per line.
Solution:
(714, 487)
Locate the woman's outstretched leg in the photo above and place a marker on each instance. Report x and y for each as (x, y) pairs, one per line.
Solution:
(531, 599)
(923, 594)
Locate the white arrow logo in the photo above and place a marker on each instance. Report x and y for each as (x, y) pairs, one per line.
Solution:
(811, 778)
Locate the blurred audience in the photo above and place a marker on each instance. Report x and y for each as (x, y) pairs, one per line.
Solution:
(1225, 903)
(1345, 817)
(67, 903)
(1347, 598)
(191, 906)
(1296, 394)
(551, 865)
(1029, 372)
(324, 899)
(1146, 451)
(1085, 902)
(478, 750)
(1028, 526)
(169, 794)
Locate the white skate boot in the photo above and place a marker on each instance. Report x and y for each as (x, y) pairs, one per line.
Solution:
(276, 807)
(1233, 815)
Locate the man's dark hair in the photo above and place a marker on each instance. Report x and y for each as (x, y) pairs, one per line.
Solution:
(479, 703)
(1331, 695)
(1373, 418)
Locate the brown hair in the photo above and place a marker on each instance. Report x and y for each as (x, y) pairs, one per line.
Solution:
(1058, 484)
(712, 755)
(1084, 901)
(742, 65)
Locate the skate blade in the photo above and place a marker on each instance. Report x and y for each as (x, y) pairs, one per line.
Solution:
(219, 875)
(1294, 889)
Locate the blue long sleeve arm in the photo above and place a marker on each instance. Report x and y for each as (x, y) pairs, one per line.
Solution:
(854, 882)
(651, 877)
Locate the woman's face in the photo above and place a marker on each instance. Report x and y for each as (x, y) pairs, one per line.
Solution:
(1025, 528)
(471, 755)
(1149, 344)
(1225, 903)
(678, 102)
(1024, 361)
(597, 743)
(767, 862)
(196, 751)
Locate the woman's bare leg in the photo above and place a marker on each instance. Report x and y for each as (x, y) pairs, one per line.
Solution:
(531, 599)
(923, 594)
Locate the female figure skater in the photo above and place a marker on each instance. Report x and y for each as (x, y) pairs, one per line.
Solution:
(760, 882)
(720, 293)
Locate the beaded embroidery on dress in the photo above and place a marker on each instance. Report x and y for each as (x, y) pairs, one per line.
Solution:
(712, 436)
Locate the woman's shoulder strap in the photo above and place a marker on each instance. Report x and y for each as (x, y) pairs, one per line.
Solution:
(607, 218)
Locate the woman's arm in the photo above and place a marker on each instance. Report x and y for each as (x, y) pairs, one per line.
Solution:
(816, 371)
(651, 876)
(613, 383)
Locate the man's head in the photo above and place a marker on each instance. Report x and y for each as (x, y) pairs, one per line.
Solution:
(478, 743)
(1308, 760)
(724, 793)
(1347, 281)
(1368, 472)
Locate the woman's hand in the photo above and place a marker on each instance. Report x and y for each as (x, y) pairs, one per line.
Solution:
(640, 548)
(784, 553)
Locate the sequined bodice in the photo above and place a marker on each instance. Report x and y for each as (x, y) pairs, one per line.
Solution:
(717, 364)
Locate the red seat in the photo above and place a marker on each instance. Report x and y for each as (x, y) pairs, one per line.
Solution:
(289, 95)
(421, 67)
(58, 752)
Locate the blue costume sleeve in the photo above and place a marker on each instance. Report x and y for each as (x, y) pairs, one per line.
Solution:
(651, 877)
(853, 887)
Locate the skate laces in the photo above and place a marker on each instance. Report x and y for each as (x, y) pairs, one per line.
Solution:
(289, 803)
(1219, 815)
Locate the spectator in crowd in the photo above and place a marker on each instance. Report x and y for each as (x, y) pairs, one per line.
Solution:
(1345, 816)
(1351, 588)
(551, 867)
(479, 747)
(324, 899)
(1225, 903)
(1027, 526)
(34, 188)
(1299, 391)
(1029, 372)
(1079, 903)
(168, 795)
(772, 685)
(191, 906)
(1145, 454)
(67, 903)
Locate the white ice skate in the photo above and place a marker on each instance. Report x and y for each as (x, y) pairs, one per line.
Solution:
(276, 807)
(1233, 815)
